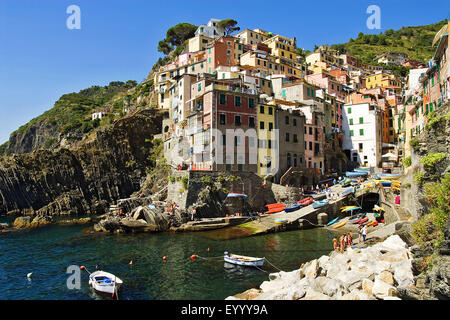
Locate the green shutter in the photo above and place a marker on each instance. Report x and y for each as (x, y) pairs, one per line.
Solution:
(361, 132)
(361, 120)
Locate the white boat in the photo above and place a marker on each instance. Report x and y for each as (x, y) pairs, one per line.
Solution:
(243, 260)
(104, 282)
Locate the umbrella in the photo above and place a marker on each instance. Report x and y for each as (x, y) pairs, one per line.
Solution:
(237, 195)
(389, 156)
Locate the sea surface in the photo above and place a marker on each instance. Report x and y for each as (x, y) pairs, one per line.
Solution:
(47, 252)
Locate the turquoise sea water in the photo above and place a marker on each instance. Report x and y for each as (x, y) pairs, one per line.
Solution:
(48, 251)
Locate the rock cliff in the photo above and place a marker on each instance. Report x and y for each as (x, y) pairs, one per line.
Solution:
(109, 164)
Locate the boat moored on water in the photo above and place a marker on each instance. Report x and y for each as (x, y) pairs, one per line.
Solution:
(104, 282)
(243, 260)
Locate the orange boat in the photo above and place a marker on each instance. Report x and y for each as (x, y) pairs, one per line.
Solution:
(274, 205)
(275, 209)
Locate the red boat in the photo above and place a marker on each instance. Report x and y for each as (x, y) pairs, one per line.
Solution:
(275, 209)
(274, 205)
(307, 201)
(363, 220)
(375, 224)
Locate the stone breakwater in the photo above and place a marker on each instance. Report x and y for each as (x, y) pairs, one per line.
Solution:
(371, 273)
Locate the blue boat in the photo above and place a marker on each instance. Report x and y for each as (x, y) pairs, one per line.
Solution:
(293, 208)
(348, 191)
(332, 221)
(356, 174)
(320, 203)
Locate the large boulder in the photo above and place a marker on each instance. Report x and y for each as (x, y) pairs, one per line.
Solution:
(22, 222)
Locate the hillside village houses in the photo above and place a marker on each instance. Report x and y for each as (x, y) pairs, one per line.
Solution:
(249, 102)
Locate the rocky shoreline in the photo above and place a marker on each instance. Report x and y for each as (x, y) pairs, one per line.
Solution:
(381, 271)
(378, 269)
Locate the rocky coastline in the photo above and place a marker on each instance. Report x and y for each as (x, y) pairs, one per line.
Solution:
(375, 270)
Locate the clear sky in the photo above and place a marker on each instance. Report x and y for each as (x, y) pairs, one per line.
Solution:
(41, 59)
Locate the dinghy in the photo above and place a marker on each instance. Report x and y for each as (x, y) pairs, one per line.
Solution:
(320, 203)
(243, 260)
(275, 209)
(293, 208)
(104, 282)
(306, 202)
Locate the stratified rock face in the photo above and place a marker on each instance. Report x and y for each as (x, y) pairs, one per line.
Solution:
(85, 179)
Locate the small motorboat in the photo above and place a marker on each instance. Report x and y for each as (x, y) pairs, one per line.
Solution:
(293, 208)
(104, 282)
(243, 260)
(320, 203)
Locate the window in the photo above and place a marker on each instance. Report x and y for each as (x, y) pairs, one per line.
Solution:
(224, 140)
(295, 138)
(310, 145)
(270, 126)
(360, 147)
(361, 132)
(351, 133)
(361, 120)
(223, 119)
(199, 86)
(289, 159)
(351, 121)
(251, 122)
(349, 110)
(237, 120)
(310, 130)
(222, 99)
(251, 102)
(261, 125)
(286, 120)
(287, 136)
(308, 92)
(270, 110)
(294, 122)
(237, 101)
(261, 109)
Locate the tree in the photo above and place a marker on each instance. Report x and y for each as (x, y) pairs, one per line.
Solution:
(229, 25)
(176, 36)
(164, 47)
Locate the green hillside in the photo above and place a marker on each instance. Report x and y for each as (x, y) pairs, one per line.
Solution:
(414, 41)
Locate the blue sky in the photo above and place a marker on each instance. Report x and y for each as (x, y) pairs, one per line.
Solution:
(41, 59)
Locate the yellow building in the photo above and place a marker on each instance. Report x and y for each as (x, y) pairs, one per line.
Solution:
(384, 80)
(266, 139)
(283, 47)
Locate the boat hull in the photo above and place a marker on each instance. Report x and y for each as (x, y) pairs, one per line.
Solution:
(237, 261)
(110, 285)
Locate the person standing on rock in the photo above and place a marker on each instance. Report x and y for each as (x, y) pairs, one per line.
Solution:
(342, 243)
(364, 232)
(335, 245)
(359, 233)
(350, 239)
(193, 213)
